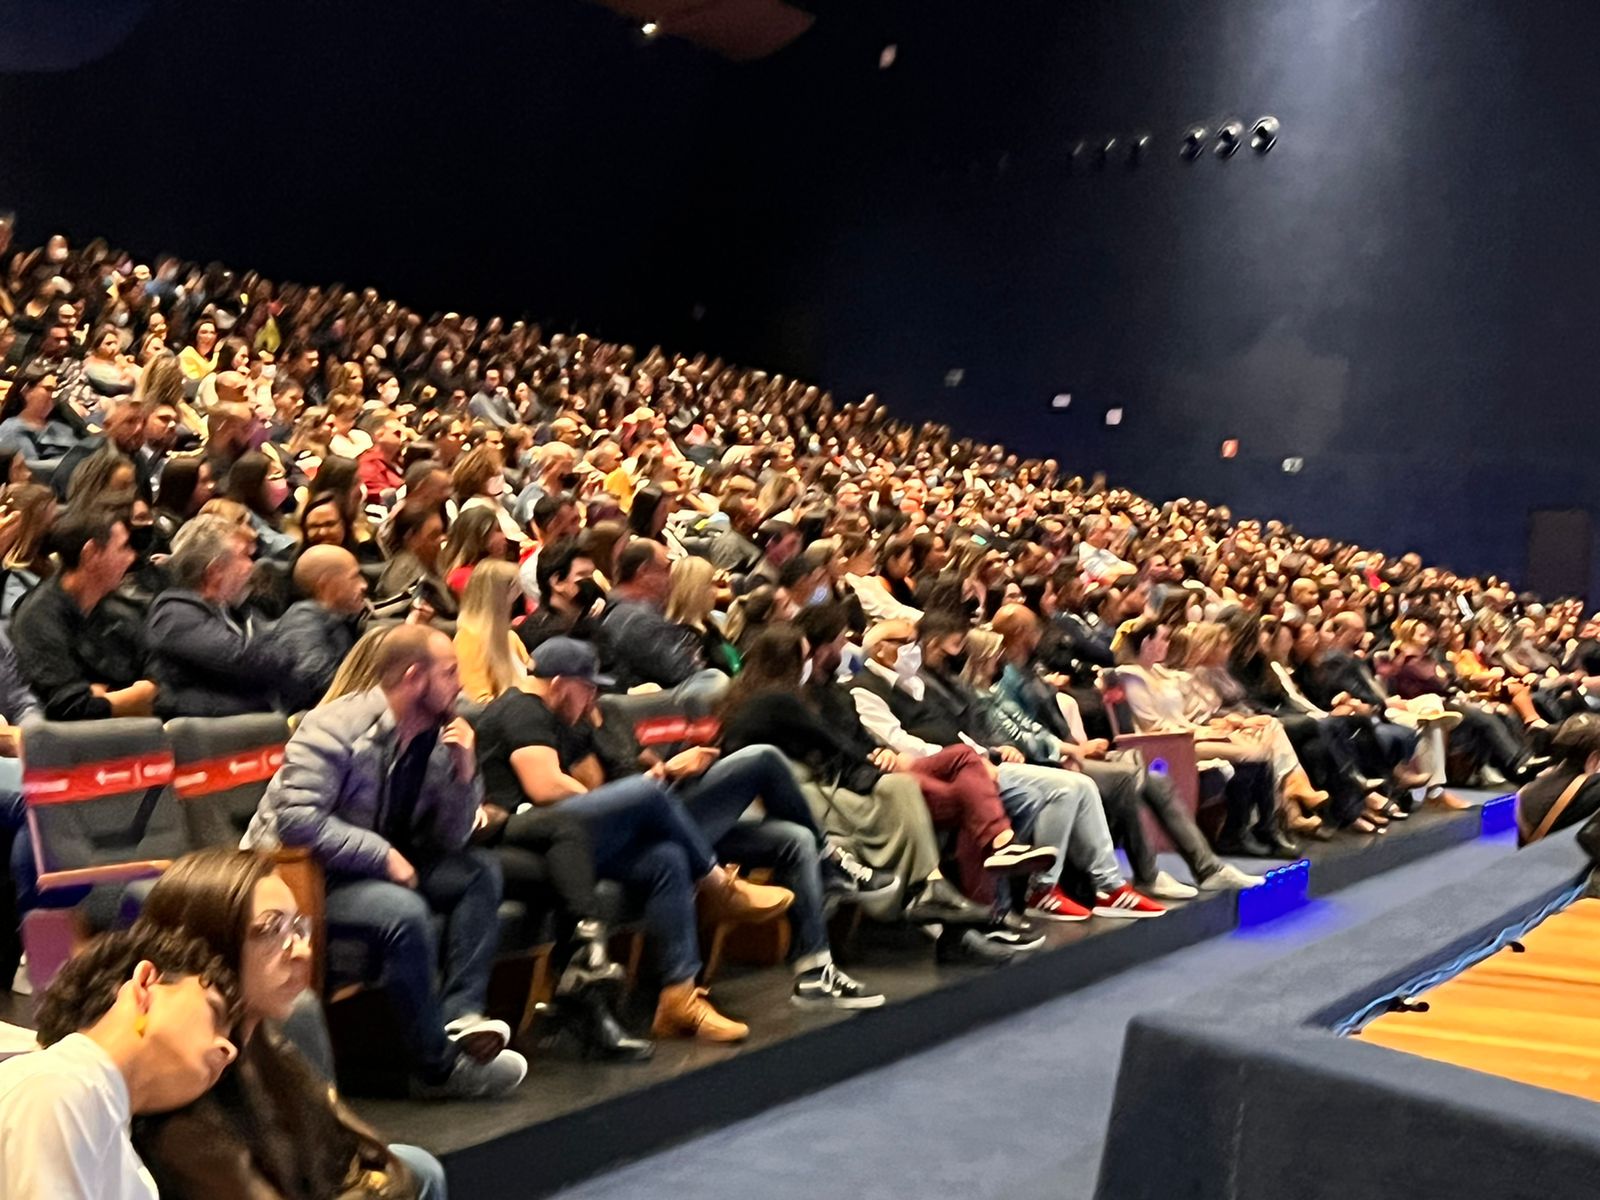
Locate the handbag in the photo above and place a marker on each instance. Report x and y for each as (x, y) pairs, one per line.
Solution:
(1568, 794)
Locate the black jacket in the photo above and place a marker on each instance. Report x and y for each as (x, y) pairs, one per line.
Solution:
(64, 651)
(210, 662)
(314, 640)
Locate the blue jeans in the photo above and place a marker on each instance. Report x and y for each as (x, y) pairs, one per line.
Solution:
(1052, 807)
(787, 841)
(396, 924)
(429, 1171)
(641, 835)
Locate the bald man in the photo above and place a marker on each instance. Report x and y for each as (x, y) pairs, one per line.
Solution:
(320, 630)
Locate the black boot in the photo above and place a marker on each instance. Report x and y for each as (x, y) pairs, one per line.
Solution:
(603, 1036)
(590, 964)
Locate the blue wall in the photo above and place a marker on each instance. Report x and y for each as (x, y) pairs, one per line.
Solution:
(1403, 292)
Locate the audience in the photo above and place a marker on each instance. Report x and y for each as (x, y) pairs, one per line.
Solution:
(912, 634)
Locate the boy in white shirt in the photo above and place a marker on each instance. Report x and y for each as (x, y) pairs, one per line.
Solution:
(137, 1023)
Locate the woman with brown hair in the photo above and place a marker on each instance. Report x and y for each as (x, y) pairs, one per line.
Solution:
(479, 481)
(27, 564)
(273, 1128)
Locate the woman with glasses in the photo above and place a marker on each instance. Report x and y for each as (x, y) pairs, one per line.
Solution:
(273, 1126)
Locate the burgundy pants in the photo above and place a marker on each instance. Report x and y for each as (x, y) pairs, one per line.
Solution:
(961, 792)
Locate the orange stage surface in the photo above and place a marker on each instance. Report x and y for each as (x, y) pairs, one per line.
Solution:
(1533, 1017)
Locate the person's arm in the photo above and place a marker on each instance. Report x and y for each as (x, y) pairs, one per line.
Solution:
(878, 603)
(311, 659)
(538, 771)
(211, 644)
(654, 650)
(17, 701)
(304, 796)
(885, 727)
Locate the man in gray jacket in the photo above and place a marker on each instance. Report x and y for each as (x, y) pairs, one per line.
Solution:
(383, 787)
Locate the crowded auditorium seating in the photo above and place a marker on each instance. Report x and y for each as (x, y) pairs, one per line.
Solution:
(258, 537)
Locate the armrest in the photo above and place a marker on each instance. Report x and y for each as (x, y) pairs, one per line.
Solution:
(307, 884)
(1174, 737)
(110, 873)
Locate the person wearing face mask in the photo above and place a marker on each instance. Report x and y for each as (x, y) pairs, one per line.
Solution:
(479, 481)
(906, 699)
(570, 600)
(207, 654)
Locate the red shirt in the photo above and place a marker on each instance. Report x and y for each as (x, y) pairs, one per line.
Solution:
(378, 474)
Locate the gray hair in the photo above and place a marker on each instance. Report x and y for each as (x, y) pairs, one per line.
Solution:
(200, 543)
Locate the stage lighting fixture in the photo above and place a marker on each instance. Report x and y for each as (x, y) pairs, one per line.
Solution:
(1229, 138)
(1194, 141)
(887, 55)
(649, 29)
(1264, 134)
(1137, 146)
(1113, 416)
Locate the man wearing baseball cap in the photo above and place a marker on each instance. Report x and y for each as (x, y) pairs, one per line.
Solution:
(536, 746)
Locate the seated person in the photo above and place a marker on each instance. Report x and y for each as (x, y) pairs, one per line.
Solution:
(637, 643)
(538, 747)
(383, 786)
(1567, 793)
(31, 424)
(80, 646)
(317, 633)
(912, 711)
(492, 657)
(137, 1023)
(209, 656)
(273, 1126)
(570, 600)
(418, 537)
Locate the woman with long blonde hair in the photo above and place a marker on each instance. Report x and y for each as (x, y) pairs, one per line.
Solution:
(491, 655)
(692, 596)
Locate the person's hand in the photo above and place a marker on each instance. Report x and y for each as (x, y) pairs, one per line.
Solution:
(10, 741)
(1010, 754)
(1095, 748)
(884, 759)
(463, 745)
(691, 762)
(400, 870)
(1057, 680)
(421, 613)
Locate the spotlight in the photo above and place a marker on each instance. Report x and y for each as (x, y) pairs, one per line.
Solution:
(887, 55)
(649, 29)
(1138, 146)
(1229, 138)
(1107, 149)
(1264, 134)
(1194, 141)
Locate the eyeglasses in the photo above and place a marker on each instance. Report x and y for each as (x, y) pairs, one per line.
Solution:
(280, 930)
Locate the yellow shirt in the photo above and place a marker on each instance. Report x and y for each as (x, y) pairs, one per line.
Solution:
(473, 656)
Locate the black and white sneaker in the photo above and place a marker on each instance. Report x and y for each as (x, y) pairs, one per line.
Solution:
(479, 1038)
(828, 987)
(1019, 858)
(848, 878)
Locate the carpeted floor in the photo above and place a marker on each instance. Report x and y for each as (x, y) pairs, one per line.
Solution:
(1017, 1108)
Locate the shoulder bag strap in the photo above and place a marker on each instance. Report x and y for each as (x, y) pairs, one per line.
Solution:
(1556, 809)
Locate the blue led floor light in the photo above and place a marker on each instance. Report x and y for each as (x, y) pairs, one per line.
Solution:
(1286, 889)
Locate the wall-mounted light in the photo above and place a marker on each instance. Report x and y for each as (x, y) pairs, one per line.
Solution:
(1264, 134)
(1229, 139)
(649, 29)
(1138, 146)
(1194, 141)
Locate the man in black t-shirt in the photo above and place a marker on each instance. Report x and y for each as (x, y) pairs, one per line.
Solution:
(537, 741)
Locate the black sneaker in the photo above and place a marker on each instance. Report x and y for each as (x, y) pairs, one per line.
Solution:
(939, 903)
(829, 987)
(1013, 939)
(1019, 858)
(848, 878)
(970, 946)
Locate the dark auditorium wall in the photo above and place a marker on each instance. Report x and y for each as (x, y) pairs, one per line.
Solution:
(1402, 292)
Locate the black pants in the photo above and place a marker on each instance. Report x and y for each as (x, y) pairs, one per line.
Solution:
(547, 863)
(1486, 737)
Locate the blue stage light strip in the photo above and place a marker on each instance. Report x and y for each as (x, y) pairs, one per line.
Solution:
(1434, 976)
(1498, 815)
(1286, 889)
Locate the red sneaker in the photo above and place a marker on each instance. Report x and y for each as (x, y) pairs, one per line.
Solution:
(1125, 902)
(1052, 904)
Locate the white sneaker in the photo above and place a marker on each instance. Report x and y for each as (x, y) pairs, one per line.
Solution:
(1165, 887)
(1230, 878)
(478, 1037)
(471, 1080)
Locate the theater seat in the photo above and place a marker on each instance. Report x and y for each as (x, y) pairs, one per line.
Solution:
(1171, 754)
(100, 814)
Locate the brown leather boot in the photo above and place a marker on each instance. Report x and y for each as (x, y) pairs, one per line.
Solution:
(739, 900)
(684, 1011)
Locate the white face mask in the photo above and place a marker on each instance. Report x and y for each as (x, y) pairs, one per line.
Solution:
(496, 485)
(909, 662)
(805, 673)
